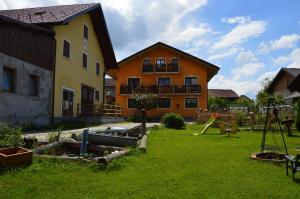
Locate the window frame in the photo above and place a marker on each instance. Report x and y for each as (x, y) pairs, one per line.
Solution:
(159, 59)
(95, 96)
(36, 79)
(158, 78)
(97, 68)
(68, 41)
(172, 58)
(84, 53)
(187, 98)
(13, 79)
(128, 103)
(143, 62)
(185, 77)
(164, 107)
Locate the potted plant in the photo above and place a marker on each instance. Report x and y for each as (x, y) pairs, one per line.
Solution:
(11, 152)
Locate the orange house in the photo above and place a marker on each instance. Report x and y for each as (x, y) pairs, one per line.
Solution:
(178, 78)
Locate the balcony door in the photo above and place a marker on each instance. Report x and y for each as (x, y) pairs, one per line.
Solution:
(164, 81)
(190, 81)
(87, 100)
(134, 82)
(67, 103)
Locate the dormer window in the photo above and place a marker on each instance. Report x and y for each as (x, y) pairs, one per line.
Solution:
(146, 62)
(160, 62)
(174, 61)
(85, 32)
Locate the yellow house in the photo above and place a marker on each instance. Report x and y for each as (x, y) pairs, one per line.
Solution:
(83, 52)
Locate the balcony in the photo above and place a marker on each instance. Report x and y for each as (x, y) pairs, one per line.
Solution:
(170, 89)
(160, 68)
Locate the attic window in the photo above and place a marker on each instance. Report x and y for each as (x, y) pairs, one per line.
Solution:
(40, 12)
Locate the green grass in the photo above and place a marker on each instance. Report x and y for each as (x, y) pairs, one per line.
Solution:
(176, 165)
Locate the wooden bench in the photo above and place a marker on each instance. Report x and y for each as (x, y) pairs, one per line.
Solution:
(293, 164)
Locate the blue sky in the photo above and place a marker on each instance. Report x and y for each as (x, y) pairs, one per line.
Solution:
(249, 40)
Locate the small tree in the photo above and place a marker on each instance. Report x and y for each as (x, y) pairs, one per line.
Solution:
(145, 101)
(217, 103)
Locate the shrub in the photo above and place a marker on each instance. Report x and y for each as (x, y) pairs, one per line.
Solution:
(10, 137)
(173, 120)
(298, 116)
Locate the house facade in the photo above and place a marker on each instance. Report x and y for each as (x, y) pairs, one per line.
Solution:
(83, 52)
(178, 78)
(25, 81)
(279, 85)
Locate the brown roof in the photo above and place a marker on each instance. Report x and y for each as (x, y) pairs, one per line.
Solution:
(212, 69)
(50, 14)
(110, 82)
(223, 93)
(59, 15)
(294, 72)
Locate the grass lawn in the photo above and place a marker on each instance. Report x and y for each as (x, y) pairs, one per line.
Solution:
(176, 165)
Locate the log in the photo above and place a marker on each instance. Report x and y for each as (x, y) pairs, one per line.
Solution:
(48, 146)
(107, 159)
(142, 144)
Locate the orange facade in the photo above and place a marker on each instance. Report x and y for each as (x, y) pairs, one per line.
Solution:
(179, 79)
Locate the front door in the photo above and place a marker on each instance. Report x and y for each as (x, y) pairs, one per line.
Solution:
(67, 103)
(87, 100)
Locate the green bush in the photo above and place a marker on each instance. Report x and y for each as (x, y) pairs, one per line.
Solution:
(298, 116)
(173, 120)
(10, 137)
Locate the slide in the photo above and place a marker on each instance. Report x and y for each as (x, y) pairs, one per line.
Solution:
(205, 126)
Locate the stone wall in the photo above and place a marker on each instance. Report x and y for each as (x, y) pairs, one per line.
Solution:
(19, 107)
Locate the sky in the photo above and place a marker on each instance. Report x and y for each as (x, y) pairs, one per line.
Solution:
(249, 40)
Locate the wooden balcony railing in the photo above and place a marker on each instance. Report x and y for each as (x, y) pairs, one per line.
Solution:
(169, 89)
(99, 110)
(162, 68)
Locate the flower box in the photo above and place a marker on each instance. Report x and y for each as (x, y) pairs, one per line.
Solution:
(14, 157)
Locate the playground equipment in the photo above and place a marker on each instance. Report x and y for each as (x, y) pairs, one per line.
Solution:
(269, 119)
(271, 153)
(210, 122)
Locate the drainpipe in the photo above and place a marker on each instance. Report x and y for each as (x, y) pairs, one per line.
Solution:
(53, 80)
(103, 89)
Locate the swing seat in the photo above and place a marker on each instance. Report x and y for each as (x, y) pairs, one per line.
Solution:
(293, 164)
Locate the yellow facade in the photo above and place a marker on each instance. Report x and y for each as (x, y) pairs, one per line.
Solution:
(69, 73)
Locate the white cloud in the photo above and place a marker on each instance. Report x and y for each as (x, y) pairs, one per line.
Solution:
(285, 41)
(227, 53)
(241, 33)
(242, 87)
(291, 61)
(295, 58)
(247, 65)
(280, 61)
(245, 57)
(235, 20)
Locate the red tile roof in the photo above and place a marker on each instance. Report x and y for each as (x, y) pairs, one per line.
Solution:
(51, 14)
(46, 16)
(223, 93)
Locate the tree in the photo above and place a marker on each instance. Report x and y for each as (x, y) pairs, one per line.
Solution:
(263, 95)
(145, 101)
(217, 103)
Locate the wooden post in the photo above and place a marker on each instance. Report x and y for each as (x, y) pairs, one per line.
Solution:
(144, 117)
